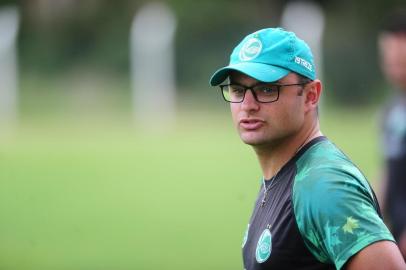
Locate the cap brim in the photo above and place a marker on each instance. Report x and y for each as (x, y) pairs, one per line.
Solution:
(258, 71)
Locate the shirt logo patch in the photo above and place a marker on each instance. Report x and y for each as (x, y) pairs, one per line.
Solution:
(251, 49)
(244, 240)
(264, 246)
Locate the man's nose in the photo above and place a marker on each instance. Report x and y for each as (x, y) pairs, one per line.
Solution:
(249, 102)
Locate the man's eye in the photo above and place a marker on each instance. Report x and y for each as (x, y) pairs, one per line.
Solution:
(237, 90)
(267, 90)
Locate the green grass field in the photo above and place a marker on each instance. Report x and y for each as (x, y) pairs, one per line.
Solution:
(107, 196)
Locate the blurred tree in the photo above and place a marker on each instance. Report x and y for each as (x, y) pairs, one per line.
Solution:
(62, 34)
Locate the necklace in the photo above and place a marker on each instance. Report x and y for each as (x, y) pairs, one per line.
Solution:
(266, 190)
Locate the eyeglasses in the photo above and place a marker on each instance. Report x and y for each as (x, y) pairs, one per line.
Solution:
(263, 93)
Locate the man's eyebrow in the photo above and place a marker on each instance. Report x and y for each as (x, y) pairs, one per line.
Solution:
(234, 82)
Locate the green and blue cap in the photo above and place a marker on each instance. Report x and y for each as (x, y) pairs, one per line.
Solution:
(268, 55)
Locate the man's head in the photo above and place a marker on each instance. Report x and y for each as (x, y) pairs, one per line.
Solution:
(272, 87)
(392, 45)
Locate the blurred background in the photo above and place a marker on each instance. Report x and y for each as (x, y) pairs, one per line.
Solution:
(114, 151)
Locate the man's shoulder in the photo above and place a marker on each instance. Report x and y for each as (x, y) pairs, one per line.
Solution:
(324, 167)
(325, 157)
(394, 127)
(394, 109)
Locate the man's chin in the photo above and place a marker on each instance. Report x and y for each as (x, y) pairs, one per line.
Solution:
(252, 140)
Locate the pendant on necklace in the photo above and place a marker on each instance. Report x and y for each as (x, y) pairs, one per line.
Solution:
(263, 200)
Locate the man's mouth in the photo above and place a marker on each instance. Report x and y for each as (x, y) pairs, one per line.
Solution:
(251, 124)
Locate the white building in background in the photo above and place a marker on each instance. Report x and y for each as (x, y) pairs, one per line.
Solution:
(153, 67)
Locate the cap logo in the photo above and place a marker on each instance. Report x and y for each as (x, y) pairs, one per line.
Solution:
(251, 49)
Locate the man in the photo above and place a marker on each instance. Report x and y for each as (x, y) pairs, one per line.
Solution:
(315, 210)
(392, 44)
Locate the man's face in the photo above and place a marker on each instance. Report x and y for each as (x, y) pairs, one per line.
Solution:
(393, 52)
(268, 123)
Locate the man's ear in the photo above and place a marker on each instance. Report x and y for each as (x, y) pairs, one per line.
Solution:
(312, 95)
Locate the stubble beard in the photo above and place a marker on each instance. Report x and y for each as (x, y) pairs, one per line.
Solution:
(265, 139)
(258, 138)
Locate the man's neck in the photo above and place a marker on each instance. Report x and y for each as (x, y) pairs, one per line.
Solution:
(273, 157)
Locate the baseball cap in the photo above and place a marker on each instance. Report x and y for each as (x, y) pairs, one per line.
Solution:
(268, 55)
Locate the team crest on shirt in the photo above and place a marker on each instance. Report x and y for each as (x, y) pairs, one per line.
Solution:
(264, 246)
(251, 49)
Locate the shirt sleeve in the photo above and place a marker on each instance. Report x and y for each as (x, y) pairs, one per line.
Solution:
(336, 213)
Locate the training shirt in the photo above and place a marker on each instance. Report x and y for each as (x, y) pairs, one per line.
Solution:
(394, 149)
(320, 211)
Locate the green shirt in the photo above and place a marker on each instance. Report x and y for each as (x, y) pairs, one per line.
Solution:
(334, 205)
(319, 211)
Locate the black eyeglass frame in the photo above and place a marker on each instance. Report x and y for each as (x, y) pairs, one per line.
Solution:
(278, 88)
